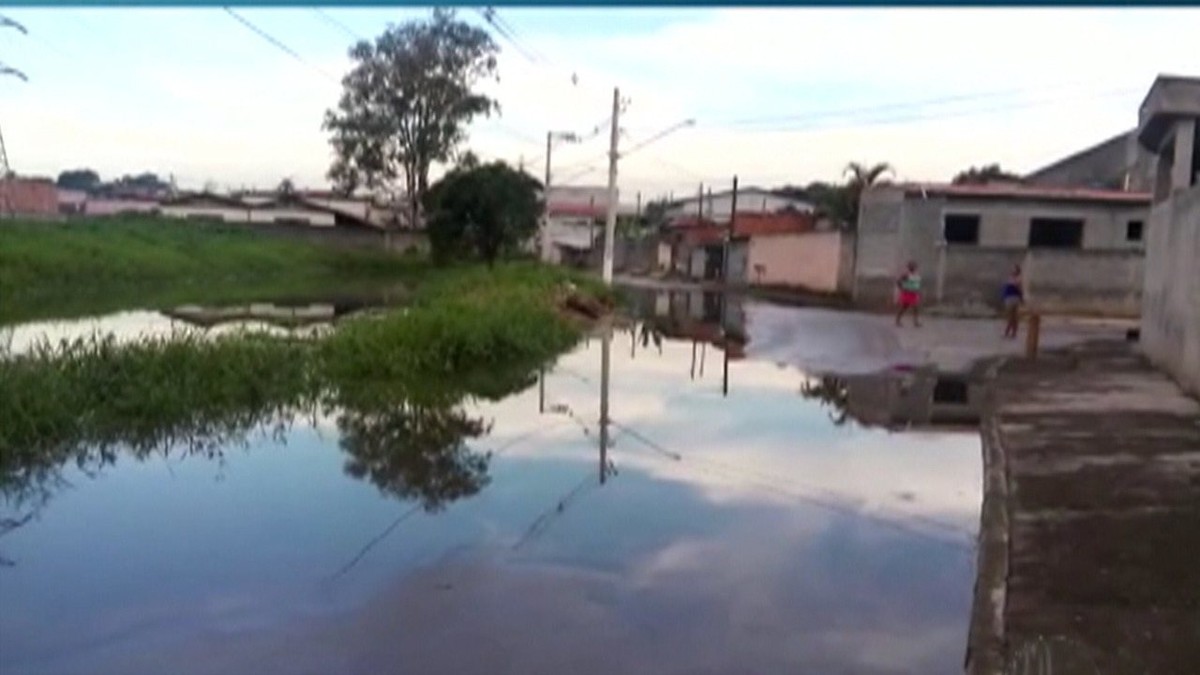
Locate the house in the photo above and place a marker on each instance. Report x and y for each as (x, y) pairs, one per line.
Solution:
(251, 209)
(1118, 163)
(574, 223)
(80, 203)
(28, 197)
(787, 248)
(1169, 129)
(718, 206)
(1081, 249)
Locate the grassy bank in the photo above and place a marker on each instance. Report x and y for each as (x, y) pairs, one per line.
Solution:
(59, 270)
(395, 381)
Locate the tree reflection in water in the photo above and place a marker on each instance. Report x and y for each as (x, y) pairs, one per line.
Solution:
(409, 439)
(416, 452)
(832, 392)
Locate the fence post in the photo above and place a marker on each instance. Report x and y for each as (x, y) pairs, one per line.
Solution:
(1032, 335)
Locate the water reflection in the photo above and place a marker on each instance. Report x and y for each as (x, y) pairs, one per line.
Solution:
(290, 319)
(650, 511)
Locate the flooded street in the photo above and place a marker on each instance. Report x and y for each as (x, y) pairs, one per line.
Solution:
(735, 515)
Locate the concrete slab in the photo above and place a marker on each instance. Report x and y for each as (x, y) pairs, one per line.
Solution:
(1101, 517)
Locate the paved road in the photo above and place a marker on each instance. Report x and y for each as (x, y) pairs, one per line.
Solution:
(845, 342)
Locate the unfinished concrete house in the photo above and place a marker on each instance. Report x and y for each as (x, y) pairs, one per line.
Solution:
(1081, 249)
(1168, 121)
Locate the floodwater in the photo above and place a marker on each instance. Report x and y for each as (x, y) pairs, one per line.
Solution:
(733, 516)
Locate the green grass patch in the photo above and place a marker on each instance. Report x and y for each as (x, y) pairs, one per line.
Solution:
(396, 383)
(94, 266)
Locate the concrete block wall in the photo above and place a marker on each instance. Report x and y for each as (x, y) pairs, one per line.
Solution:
(1101, 277)
(1104, 283)
(1171, 297)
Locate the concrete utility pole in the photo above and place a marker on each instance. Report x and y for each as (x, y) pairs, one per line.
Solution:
(610, 222)
(725, 281)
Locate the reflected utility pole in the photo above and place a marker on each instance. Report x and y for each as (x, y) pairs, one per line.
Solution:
(605, 365)
(725, 280)
(542, 390)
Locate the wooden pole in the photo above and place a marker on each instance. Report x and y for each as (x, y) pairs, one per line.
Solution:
(1032, 334)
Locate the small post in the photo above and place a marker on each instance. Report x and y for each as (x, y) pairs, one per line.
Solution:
(1032, 335)
(541, 391)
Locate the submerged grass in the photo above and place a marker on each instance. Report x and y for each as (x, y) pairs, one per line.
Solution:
(55, 270)
(469, 333)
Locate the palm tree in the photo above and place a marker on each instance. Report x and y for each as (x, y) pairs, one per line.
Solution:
(861, 178)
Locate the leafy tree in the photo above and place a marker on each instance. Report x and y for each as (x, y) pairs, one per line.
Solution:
(406, 103)
(984, 174)
(79, 179)
(483, 209)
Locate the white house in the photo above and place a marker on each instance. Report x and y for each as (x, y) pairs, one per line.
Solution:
(718, 206)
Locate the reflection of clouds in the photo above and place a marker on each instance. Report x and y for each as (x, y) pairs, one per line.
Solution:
(126, 327)
(762, 444)
(768, 598)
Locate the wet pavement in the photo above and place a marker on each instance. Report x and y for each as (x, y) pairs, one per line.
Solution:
(1098, 519)
(743, 516)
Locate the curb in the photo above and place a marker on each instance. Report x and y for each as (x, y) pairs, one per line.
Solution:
(985, 638)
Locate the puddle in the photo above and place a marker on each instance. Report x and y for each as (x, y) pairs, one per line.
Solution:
(733, 515)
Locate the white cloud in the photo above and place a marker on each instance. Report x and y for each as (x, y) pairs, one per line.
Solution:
(259, 121)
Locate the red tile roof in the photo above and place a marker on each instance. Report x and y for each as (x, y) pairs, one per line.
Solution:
(1014, 190)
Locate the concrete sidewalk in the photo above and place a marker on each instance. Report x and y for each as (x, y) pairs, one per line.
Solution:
(1090, 541)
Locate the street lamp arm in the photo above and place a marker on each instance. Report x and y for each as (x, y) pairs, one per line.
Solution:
(659, 136)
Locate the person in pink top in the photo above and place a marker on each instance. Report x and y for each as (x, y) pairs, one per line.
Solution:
(909, 287)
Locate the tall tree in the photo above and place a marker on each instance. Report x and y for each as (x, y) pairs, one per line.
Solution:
(984, 174)
(406, 103)
(485, 209)
(79, 179)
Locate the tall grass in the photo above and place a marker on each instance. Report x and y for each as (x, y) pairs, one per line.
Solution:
(470, 333)
(50, 270)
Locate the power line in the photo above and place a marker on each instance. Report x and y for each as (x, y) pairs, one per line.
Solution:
(880, 121)
(279, 45)
(887, 107)
(489, 15)
(659, 135)
(325, 16)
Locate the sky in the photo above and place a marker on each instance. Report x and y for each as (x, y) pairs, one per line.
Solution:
(778, 96)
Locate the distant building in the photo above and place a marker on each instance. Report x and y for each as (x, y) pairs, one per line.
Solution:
(211, 207)
(718, 206)
(28, 197)
(574, 223)
(1081, 249)
(1169, 129)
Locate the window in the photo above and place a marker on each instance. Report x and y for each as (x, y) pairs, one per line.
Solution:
(960, 228)
(1133, 230)
(947, 390)
(1055, 233)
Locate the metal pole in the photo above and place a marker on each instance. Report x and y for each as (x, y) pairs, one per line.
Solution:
(610, 224)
